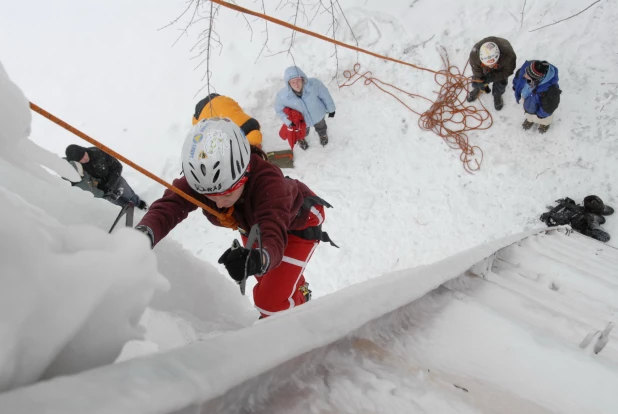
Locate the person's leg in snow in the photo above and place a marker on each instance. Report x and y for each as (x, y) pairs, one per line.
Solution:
(284, 287)
(320, 128)
(498, 89)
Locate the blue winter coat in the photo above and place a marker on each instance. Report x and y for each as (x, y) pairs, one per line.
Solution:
(543, 100)
(314, 103)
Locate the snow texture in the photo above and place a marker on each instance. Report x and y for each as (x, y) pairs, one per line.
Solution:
(402, 201)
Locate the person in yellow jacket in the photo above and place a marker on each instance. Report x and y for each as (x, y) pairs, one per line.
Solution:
(215, 105)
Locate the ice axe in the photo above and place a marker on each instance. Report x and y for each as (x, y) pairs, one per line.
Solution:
(254, 235)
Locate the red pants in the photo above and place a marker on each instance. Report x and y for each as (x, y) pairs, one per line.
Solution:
(277, 290)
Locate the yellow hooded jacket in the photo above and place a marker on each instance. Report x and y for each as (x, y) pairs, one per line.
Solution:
(222, 106)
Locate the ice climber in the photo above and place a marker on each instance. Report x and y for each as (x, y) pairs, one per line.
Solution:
(537, 82)
(308, 96)
(492, 60)
(241, 189)
(102, 172)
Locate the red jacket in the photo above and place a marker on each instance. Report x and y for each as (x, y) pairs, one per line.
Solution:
(296, 133)
(269, 199)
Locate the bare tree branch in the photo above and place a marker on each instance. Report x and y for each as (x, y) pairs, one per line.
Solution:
(522, 14)
(209, 37)
(294, 32)
(577, 14)
(265, 46)
(332, 12)
(246, 20)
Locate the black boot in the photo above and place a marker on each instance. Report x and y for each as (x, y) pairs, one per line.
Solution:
(543, 128)
(142, 205)
(303, 144)
(324, 140)
(527, 125)
(474, 93)
(596, 232)
(498, 102)
(594, 204)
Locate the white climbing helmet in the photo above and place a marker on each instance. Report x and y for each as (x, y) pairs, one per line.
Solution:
(215, 155)
(489, 53)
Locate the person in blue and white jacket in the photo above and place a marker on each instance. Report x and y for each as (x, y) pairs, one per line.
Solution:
(537, 82)
(308, 96)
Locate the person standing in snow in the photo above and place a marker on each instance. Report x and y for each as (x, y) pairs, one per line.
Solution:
(492, 60)
(308, 96)
(537, 82)
(105, 174)
(215, 105)
(241, 188)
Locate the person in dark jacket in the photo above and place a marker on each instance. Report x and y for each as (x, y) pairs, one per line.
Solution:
(537, 82)
(492, 60)
(104, 173)
(240, 189)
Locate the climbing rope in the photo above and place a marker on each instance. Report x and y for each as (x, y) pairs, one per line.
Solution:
(226, 219)
(448, 117)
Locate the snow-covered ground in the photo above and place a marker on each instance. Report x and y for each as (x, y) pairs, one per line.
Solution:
(401, 196)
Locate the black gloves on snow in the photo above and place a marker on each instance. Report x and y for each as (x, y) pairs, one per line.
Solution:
(234, 260)
(331, 115)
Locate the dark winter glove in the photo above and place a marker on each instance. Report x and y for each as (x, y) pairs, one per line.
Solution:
(234, 260)
(331, 115)
(148, 232)
(489, 78)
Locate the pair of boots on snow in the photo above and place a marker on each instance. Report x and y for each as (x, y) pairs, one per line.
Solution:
(302, 143)
(499, 104)
(586, 219)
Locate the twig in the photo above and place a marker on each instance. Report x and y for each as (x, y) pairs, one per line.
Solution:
(265, 46)
(332, 11)
(245, 17)
(350, 27)
(522, 14)
(209, 38)
(551, 24)
(537, 176)
(294, 32)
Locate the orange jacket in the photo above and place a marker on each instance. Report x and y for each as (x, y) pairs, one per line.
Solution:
(222, 106)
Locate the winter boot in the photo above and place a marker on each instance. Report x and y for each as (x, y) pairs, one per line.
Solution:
(142, 205)
(324, 140)
(595, 205)
(304, 289)
(303, 144)
(596, 232)
(543, 128)
(498, 102)
(527, 125)
(474, 93)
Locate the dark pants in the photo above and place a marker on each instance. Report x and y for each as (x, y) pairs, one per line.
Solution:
(499, 87)
(128, 195)
(320, 127)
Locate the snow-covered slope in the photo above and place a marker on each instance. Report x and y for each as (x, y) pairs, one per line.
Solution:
(502, 336)
(401, 197)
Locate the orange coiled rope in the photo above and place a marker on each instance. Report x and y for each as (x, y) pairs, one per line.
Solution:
(448, 117)
(226, 219)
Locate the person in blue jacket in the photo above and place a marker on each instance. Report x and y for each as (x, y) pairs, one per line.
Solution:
(308, 96)
(537, 82)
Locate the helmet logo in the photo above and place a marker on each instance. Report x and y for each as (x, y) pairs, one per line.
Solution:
(201, 155)
(198, 138)
(216, 142)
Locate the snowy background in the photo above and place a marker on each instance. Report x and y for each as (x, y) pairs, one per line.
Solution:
(401, 196)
